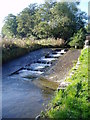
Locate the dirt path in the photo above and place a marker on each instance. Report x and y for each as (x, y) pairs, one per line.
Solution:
(61, 69)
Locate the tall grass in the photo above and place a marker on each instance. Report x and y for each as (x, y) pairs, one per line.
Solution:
(13, 48)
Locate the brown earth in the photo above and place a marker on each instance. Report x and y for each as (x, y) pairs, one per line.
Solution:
(60, 70)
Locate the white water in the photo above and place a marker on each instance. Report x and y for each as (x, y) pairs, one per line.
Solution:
(62, 51)
(55, 55)
(47, 59)
(22, 98)
(38, 66)
(25, 73)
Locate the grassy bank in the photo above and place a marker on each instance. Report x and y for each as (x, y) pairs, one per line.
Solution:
(74, 102)
(14, 48)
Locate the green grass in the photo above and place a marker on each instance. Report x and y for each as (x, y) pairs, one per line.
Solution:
(74, 102)
(13, 48)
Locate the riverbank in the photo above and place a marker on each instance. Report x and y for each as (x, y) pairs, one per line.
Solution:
(60, 70)
(15, 48)
(73, 102)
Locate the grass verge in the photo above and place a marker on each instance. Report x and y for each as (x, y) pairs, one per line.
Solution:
(74, 102)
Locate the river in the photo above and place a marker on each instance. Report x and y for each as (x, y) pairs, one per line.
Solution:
(21, 98)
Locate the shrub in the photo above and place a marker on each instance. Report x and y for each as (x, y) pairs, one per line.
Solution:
(78, 39)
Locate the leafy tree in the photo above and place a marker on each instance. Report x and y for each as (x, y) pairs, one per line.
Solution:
(42, 30)
(26, 21)
(10, 27)
(43, 16)
(51, 19)
(78, 39)
(65, 21)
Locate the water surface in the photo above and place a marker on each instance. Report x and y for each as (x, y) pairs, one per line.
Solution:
(22, 98)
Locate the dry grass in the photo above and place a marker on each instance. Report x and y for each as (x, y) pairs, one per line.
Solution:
(13, 48)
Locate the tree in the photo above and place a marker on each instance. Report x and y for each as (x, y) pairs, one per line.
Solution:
(10, 27)
(42, 30)
(78, 39)
(25, 21)
(43, 16)
(51, 19)
(65, 21)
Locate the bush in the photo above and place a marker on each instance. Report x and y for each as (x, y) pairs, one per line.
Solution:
(78, 39)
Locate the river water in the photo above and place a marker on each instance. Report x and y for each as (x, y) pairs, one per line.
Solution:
(21, 98)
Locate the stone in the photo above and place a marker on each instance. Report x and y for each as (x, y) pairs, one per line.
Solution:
(63, 85)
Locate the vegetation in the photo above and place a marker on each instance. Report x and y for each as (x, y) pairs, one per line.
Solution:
(78, 39)
(74, 102)
(40, 25)
(13, 48)
(51, 19)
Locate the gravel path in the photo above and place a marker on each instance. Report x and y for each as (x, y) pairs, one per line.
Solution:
(60, 70)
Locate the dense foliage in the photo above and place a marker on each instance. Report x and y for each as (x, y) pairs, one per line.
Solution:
(10, 27)
(51, 19)
(74, 102)
(78, 39)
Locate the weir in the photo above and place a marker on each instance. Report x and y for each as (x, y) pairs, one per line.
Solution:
(25, 88)
(38, 68)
